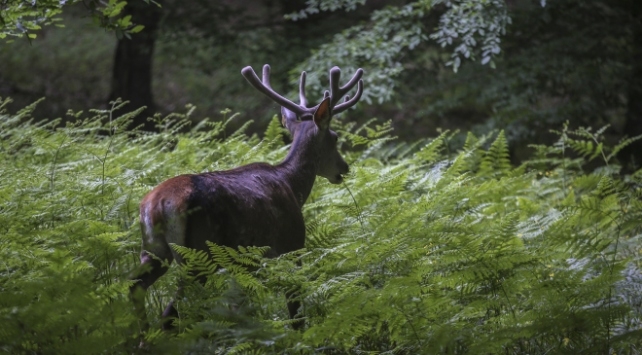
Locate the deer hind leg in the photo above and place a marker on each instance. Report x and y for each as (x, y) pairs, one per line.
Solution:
(155, 257)
(170, 313)
(152, 268)
(175, 232)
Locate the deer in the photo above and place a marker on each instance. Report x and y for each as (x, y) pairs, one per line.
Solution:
(258, 204)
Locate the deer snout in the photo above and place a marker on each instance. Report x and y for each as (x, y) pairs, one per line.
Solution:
(343, 167)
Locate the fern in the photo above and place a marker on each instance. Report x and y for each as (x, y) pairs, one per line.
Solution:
(423, 250)
(496, 161)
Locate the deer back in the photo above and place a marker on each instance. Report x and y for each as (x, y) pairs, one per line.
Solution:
(257, 204)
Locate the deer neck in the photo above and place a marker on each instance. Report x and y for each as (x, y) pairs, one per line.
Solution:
(300, 165)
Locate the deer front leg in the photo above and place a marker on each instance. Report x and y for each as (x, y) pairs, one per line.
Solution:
(293, 308)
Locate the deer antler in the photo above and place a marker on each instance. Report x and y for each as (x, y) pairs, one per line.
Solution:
(265, 87)
(336, 92)
(302, 99)
(301, 109)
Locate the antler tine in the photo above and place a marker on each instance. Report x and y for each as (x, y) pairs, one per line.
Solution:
(337, 92)
(335, 75)
(355, 78)
(264, 87)
(266, 76)
(350, 102)
(302, 99)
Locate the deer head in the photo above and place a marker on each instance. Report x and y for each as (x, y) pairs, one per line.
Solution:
(310, 126)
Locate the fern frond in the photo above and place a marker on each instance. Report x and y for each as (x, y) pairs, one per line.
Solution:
(496, 162)
(623, 143)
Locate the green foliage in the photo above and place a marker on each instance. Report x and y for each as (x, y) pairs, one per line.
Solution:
(315, 6)
(469, 22)
(376, 47)
(472, 27)
(20, 17)
(590, 145)
(564, 61)
(65, 60)
(423, 250)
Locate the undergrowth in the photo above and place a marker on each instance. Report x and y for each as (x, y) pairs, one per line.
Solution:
(421, 251)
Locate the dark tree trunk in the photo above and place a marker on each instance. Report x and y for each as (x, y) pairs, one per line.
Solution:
(631, 156)
(132, 71)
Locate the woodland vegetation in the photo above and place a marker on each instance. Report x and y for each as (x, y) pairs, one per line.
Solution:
(494, 203)
(426, 248)
(525, 66)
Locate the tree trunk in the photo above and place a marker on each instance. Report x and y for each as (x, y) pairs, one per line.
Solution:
(631, 156)
(132, 70)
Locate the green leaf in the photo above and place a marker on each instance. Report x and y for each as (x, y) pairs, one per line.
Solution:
(137, 29)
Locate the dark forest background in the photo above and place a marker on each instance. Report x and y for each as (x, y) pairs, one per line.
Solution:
(525, 66)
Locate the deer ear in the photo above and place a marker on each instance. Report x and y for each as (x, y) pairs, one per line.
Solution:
(287, 117)
(322, 114)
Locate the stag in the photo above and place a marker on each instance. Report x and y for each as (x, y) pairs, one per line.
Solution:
(253, 205)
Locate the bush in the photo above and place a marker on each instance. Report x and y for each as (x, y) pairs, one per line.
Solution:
(423, 250)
